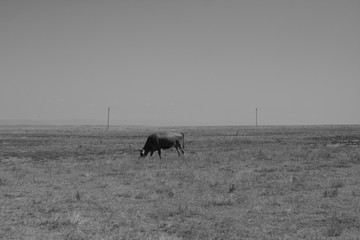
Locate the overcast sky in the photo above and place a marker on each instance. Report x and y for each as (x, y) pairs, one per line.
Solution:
(181, 62)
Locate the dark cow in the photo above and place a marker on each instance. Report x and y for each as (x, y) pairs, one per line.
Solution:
(158, 141)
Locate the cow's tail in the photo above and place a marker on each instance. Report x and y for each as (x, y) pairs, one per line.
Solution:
(183, 138)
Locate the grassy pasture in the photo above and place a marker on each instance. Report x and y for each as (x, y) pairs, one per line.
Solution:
(232, 183)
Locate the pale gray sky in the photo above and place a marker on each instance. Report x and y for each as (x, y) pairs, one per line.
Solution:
(188, 62)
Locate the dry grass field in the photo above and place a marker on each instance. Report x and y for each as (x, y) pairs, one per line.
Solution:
(232, 183)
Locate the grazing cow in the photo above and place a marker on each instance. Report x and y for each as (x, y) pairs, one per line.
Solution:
(158, 141)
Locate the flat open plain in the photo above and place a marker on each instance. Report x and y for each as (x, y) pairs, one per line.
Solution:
(284, 182)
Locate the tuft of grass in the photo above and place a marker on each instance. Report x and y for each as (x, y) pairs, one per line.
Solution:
(165, 191)
(218, 200)
(168, 237)
(225, 229)
(75, 219)
(76, 234)
(139, 194)
(336, 183)
(3, 181)
(332, 192)
(261, 155)
(77, 196)
(334, 227)
(232, 188)
(72, 220)
(337, 223)
(320, 154)
(54, 223)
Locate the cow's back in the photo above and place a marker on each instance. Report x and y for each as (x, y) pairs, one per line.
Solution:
(152, 142)
(168, 140)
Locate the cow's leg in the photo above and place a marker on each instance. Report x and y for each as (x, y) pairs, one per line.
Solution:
(182, 150)
(159, 152)
(151, 153)
(177, 149)
(178, 145)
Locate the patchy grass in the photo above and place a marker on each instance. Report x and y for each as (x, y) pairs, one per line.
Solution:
(232, 183)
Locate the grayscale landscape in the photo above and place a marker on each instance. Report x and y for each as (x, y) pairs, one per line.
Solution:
(265, 92)
(278, 182)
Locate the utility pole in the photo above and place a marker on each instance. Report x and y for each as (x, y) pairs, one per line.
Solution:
(108, 119)
(256, 117)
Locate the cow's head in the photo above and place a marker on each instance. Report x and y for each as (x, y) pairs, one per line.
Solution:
(142, 152)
